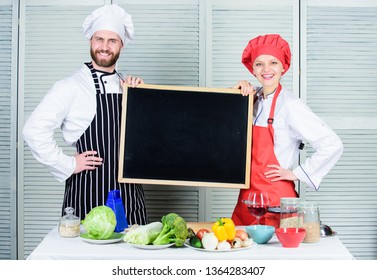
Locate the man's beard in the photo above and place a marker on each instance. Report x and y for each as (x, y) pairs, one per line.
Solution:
(104, 62)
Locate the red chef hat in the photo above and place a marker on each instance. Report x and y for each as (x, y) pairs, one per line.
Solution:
(271, 44)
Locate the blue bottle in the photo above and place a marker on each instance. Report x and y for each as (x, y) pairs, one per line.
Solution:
(114, 201)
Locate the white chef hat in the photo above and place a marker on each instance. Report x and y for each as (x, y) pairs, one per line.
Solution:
(112, 18)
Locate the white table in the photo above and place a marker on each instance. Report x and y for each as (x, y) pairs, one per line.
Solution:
(54, 247)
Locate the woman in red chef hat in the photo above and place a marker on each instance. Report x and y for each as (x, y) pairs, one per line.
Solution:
(281, 123)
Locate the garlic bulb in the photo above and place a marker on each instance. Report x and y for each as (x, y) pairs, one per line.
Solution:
(247, 242)
(223, 246)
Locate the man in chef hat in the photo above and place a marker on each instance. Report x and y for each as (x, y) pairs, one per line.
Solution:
(109, 20)
(87, 108)
(281, 123)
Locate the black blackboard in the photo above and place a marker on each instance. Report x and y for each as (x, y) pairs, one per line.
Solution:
(185, 136)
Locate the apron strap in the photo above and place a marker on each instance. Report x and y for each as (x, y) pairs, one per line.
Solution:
(95, 77)
(270, 120)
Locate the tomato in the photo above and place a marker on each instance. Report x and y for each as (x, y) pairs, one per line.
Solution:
(201, 232)
(241, 234)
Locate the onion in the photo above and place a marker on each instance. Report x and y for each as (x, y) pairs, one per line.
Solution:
(209, 241)
(241, 234)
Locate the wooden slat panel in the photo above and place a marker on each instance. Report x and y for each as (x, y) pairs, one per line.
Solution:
(341, 42)
(165, 50)
(7, 129)
(233, 26)
(341, 82)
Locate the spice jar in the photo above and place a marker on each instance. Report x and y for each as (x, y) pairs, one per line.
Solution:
(69, 224)
(289, 212)
(309, 219)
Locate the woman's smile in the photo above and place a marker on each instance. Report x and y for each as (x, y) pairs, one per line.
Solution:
(268, 70)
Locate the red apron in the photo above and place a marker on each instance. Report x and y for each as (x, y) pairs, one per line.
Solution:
(262, 155)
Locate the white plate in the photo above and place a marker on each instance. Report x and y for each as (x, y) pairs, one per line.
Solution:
(152, 247)
(115, 237)
(187, 244)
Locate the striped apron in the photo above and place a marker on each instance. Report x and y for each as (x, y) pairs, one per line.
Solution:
(89, 188)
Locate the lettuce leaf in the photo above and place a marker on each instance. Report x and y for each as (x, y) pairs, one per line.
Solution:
(100, 222)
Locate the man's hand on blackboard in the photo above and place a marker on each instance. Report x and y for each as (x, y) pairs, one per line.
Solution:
(134, 81)
(246, 88)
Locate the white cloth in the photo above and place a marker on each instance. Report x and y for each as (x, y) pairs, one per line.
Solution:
(54, 247)
(71, 105)
(295, 122)
(112, 18)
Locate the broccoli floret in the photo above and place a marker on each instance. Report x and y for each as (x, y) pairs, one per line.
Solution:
(174, 230)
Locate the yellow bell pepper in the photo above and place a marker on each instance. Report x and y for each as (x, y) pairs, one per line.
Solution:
(224, 229)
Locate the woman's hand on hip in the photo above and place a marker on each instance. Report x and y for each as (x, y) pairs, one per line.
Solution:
(277, 173)
(87, 161)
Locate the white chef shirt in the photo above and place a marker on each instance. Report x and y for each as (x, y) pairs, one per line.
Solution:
(295, 122)
(71, 105)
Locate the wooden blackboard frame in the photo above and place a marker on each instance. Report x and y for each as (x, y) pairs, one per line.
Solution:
(225, 93)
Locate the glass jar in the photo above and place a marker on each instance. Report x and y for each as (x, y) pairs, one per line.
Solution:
(309, 219)
(69, 224)
(288, 212)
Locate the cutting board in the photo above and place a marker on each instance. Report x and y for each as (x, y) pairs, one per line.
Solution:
(199, 225)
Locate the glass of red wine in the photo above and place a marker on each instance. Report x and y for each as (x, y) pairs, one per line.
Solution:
(257, 204)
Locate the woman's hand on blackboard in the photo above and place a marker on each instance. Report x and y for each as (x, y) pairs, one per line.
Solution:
(134, 81)
(245, 87)
(87, 161)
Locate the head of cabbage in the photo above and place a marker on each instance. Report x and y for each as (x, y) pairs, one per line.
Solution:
(100, 222)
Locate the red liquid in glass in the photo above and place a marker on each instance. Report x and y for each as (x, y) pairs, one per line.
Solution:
(257, 211)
